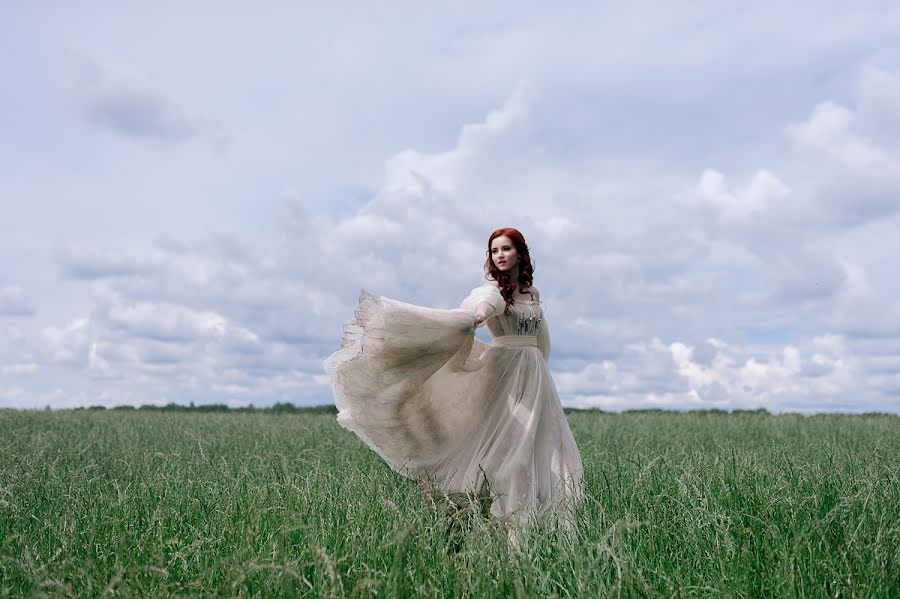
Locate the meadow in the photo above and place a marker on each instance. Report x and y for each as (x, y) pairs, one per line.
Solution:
(696, 504)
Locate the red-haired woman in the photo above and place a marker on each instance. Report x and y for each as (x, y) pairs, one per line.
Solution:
(459, 415)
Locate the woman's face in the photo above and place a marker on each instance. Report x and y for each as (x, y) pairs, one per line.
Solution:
(504, 253)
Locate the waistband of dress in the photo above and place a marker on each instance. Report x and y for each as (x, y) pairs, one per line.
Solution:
(515, 341)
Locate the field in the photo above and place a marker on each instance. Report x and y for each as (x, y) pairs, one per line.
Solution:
(701, 504)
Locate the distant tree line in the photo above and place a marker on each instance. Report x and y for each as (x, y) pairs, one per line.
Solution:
(278, 408)
(289, 408)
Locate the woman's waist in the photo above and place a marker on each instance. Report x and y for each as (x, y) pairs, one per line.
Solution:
(515, 341)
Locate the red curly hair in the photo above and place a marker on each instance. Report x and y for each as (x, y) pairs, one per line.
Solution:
(526, 268)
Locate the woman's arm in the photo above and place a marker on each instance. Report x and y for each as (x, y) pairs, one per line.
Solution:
(483, 302)
(543, 339)
(484, 311)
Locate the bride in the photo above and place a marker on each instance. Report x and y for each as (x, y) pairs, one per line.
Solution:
(440, 406)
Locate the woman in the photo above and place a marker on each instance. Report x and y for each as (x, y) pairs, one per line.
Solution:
(440, 406)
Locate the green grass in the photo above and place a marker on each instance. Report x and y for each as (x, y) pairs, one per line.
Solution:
(680, 504)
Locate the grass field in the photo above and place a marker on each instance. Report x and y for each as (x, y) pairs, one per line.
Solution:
(96, 503)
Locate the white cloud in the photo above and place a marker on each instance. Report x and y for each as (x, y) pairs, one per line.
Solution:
(14, 303)
(822, 372)
(166, 322)
(555, 226)
(764, 189)
(116, 97)
(85, 263)
(18, 369)
(69, 343)
(221, 316)
(830, 131)
(854, 178)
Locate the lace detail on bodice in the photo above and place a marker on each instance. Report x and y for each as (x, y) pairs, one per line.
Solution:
(524, 318)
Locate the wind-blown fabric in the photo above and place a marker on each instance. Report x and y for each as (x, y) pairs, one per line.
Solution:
(435, 402)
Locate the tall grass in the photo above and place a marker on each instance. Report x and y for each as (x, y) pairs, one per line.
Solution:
(97, 503)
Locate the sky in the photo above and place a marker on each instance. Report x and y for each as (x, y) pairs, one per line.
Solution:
(193, 194)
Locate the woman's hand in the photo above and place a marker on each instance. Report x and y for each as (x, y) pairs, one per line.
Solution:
(483, 312)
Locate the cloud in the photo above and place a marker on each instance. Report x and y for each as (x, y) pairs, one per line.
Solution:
(115, 97)
(152, 333)
(14, 303)
(166, 322)
(763, 190)
(242, 320)
(140, 114)
(830, 132)
(18, 369)
(792, 378)
(68, 344)
(857, 179)
(863, 310)
(87, 263)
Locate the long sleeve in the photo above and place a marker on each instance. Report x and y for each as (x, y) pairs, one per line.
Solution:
(543, 339)
(486, 293)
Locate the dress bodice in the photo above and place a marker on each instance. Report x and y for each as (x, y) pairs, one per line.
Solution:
(524, 318)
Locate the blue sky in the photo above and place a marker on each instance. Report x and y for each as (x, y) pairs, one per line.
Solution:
(194, 195)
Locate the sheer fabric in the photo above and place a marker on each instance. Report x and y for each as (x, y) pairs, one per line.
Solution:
(435, 402)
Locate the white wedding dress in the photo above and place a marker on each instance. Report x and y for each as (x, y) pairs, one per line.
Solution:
(435, 402)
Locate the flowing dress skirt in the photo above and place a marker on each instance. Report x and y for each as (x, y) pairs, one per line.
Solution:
(435, 402)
